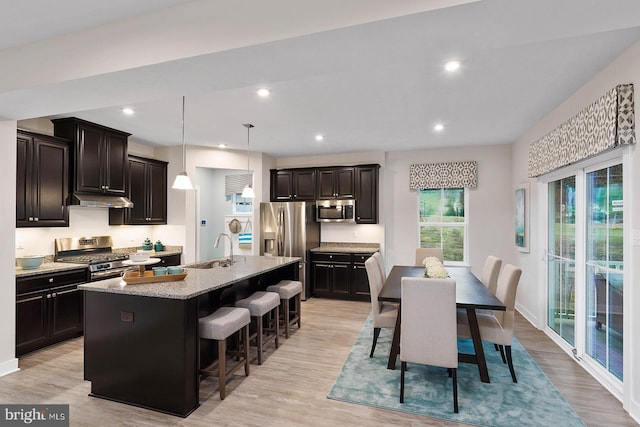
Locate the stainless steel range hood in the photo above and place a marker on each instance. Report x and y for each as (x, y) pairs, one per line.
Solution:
(98, 201)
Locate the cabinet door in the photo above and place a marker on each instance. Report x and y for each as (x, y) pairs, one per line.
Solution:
(89, 151)
(367, 195)
(23, 181)
(51, 184)
(322, 278)
(137, 193)
(341, 280)
(359, 282)
(281, 186)
(157, 193)
(325, 184)
(66, 312)
(344, 183)
(304, 185)
(31, 322)
(115, 163)
(166, 261)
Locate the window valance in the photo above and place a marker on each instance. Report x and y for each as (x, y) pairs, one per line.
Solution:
(443, 175)
(234, 184)
(605, 124)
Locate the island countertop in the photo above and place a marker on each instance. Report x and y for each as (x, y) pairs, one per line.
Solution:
(198, 281)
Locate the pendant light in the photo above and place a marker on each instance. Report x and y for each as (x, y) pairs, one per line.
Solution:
(182, 181)
(248, 192)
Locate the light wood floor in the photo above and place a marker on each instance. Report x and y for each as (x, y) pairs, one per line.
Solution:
(290, 387)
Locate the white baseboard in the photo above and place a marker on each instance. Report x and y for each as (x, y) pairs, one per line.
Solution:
(8, 367)
(528, 315)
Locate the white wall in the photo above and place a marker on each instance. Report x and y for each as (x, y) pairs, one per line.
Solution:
(625, 69)
(8, 361)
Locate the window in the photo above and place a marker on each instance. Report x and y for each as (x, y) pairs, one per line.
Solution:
(443, 222)
(241, 205)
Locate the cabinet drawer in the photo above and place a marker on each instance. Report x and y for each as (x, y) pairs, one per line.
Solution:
(331, 257)
(49, 280)
(360, 258)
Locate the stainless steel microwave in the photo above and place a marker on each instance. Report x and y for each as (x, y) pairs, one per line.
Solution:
(335, 210)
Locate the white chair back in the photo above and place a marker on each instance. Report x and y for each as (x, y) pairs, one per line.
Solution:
(378, 257)
(490, 273)
(428, 330)
(375, 284)
(422, 253)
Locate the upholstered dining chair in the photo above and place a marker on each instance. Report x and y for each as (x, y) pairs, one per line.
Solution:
(497, 327)
(378, 257)
(429, 302)
(490, 273)
(422, 253)
(384, 315)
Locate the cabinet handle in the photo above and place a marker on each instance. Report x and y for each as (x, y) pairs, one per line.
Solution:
(50, 279)
(53, 295)
(36, 219)
(30, 218)
(48, 296)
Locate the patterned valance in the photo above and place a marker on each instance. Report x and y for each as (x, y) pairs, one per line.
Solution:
(443, 175)
(605, 124)
(234, 184)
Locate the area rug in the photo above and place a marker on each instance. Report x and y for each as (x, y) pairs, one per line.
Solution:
(533, 401)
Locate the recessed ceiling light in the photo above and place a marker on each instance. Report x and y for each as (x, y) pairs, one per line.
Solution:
(263, 92)
(452, 66)
(222, 145)
(319, 137)
(127, 111)
(438, 127)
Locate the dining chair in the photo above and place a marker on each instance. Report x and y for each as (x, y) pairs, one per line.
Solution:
(490, 273)
(429, 302)
(384, 315)
(378, 257)
(497, 327)
(422, 253)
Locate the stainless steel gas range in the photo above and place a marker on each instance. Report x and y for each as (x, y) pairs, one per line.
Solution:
(96, 252)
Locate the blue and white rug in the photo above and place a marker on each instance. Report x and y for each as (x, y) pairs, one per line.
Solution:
(533, 401)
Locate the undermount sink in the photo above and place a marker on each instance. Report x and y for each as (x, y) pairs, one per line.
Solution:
(225, 262)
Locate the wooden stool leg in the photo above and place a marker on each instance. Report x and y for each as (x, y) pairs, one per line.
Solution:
(286, 317)
(298, 308)
(246, 350)
(222, 358)
(277, 321)
(259, 339)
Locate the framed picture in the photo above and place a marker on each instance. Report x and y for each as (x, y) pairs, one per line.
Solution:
(522, 218)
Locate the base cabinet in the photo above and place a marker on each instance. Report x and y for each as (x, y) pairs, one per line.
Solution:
(48, 309)
(340, 275)
(165, 261)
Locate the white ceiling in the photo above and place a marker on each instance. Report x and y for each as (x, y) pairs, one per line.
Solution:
(365, 73)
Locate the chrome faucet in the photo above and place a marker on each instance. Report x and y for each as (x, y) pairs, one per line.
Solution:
(217, 242)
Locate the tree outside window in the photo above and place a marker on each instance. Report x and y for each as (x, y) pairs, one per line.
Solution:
(443, 222)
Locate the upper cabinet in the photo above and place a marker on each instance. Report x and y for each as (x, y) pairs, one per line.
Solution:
(42, 182)
(101, 163)
(293, 185)
(367, 194)
(336, 183)
(148, 192)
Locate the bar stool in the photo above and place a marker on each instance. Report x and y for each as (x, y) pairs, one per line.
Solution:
(218, 326)
(288, 289)
(259, 304)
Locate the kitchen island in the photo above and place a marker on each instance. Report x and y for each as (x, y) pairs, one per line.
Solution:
(141, 343)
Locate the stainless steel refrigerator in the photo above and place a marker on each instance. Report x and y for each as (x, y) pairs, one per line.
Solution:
(290, 229)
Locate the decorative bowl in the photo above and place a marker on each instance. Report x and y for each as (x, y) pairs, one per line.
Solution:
(159, 271)
(30, 262)
(139, 256)
(175, 270)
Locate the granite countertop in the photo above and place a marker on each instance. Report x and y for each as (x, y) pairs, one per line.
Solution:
(198, 280)
(49, 266)
(347, 247)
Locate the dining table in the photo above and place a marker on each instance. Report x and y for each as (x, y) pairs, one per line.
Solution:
(471, 295)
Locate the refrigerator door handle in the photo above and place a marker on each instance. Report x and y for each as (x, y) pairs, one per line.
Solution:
(280, 232)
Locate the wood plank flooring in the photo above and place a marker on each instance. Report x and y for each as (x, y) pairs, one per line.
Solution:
(290, 387)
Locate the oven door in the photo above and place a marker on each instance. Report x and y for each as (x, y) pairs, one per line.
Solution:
(107, 274)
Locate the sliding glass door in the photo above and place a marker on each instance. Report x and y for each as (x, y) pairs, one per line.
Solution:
(604, 268)
(561, 257)
(585, 265)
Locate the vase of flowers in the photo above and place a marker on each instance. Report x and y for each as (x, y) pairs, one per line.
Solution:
(434, 269)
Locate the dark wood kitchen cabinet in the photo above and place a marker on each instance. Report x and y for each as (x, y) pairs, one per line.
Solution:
(336, 183)
(293, 185)
(147, 189)
(48, 309)
(100, 156)
(42, 181)
(165, 261)
(367, 194)
(340, 275)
